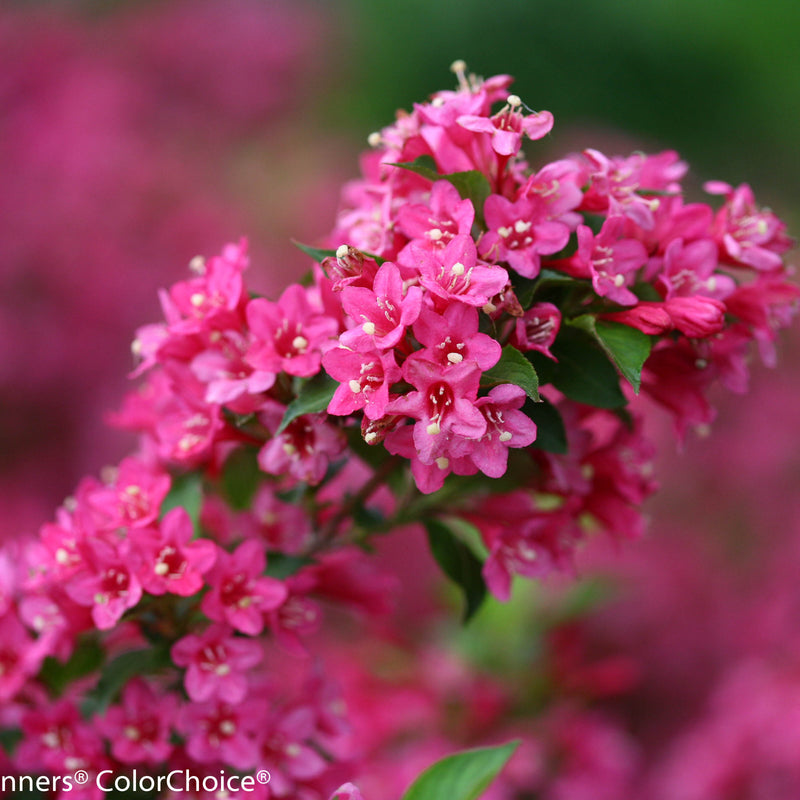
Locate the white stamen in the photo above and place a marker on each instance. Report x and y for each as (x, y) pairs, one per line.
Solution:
(434, 234)
(197, 299)
(355, 386)
(442, 462)
(513, 100)
(341, 251)
(505, 436)
(370, 437)
(433, 429)
(458, 268)
(373, 140)
(619, 280)
(368, 328)
(520, 226)
(300, 343)
(198, 265)
(455, 358)
(504, 232)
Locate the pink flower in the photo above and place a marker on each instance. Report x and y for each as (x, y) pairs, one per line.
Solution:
(436, 223)
(216, 663)
(609, 260)
(107, 582)
(240, 594)
(381, 313)
(211, 300)
(453, 337)
(521, 232)
(347, 791)
(220, 732)
(139, 728)
(537, 329)
(696, 317)
(20, 655)
(443, 405)
(170, 560)
(133, 498)
(288, 335)
(285, 749)
(364, 380)
(304, 449)
(507, 127)
(455, 273)
(745, 233)
(506, 427)
(690, 269)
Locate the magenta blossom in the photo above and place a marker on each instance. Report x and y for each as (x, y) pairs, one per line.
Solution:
(170, 560)
(455, 272)
(506, 427)
(443, 405)
(537, 329)
(507, 127)
(453, 337)
(523, 231)
(240, 593)
(382, 313)
(107, 581)
(216, 663)
(364, 381)
(140, 726)
(443, 217)
(288, 335)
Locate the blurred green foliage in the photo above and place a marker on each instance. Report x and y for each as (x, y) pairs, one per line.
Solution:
(718, 80)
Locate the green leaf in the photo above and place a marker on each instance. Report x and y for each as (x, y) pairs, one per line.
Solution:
(471, 185)
(186, 493)
(462, 776)
(119, 672)
(422, 165)
(9, 739)
(583, 371)
(514, 368)
(627, 346)
(241, 476)
(319, 253)
(551, 435)
(459, 563)
(313, 398)
(86, 658)
(281, 566)
(315, 252)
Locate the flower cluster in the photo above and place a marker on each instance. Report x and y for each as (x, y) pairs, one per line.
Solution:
(466, 355)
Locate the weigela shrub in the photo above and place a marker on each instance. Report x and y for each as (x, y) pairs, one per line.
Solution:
(471, 353)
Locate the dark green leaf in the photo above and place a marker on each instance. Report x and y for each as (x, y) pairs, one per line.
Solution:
(422, 165)
(86, 658)
(315, 252)
(280, 565)
(241, 476)
(514, 368)
(459, 563)
(9, 739)
(583, 371)
(186, 492)
(628, 346)
(313, 398)
(462, 776)
(320, 253)
(551, 435)
(471, 185)
(119, 672)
